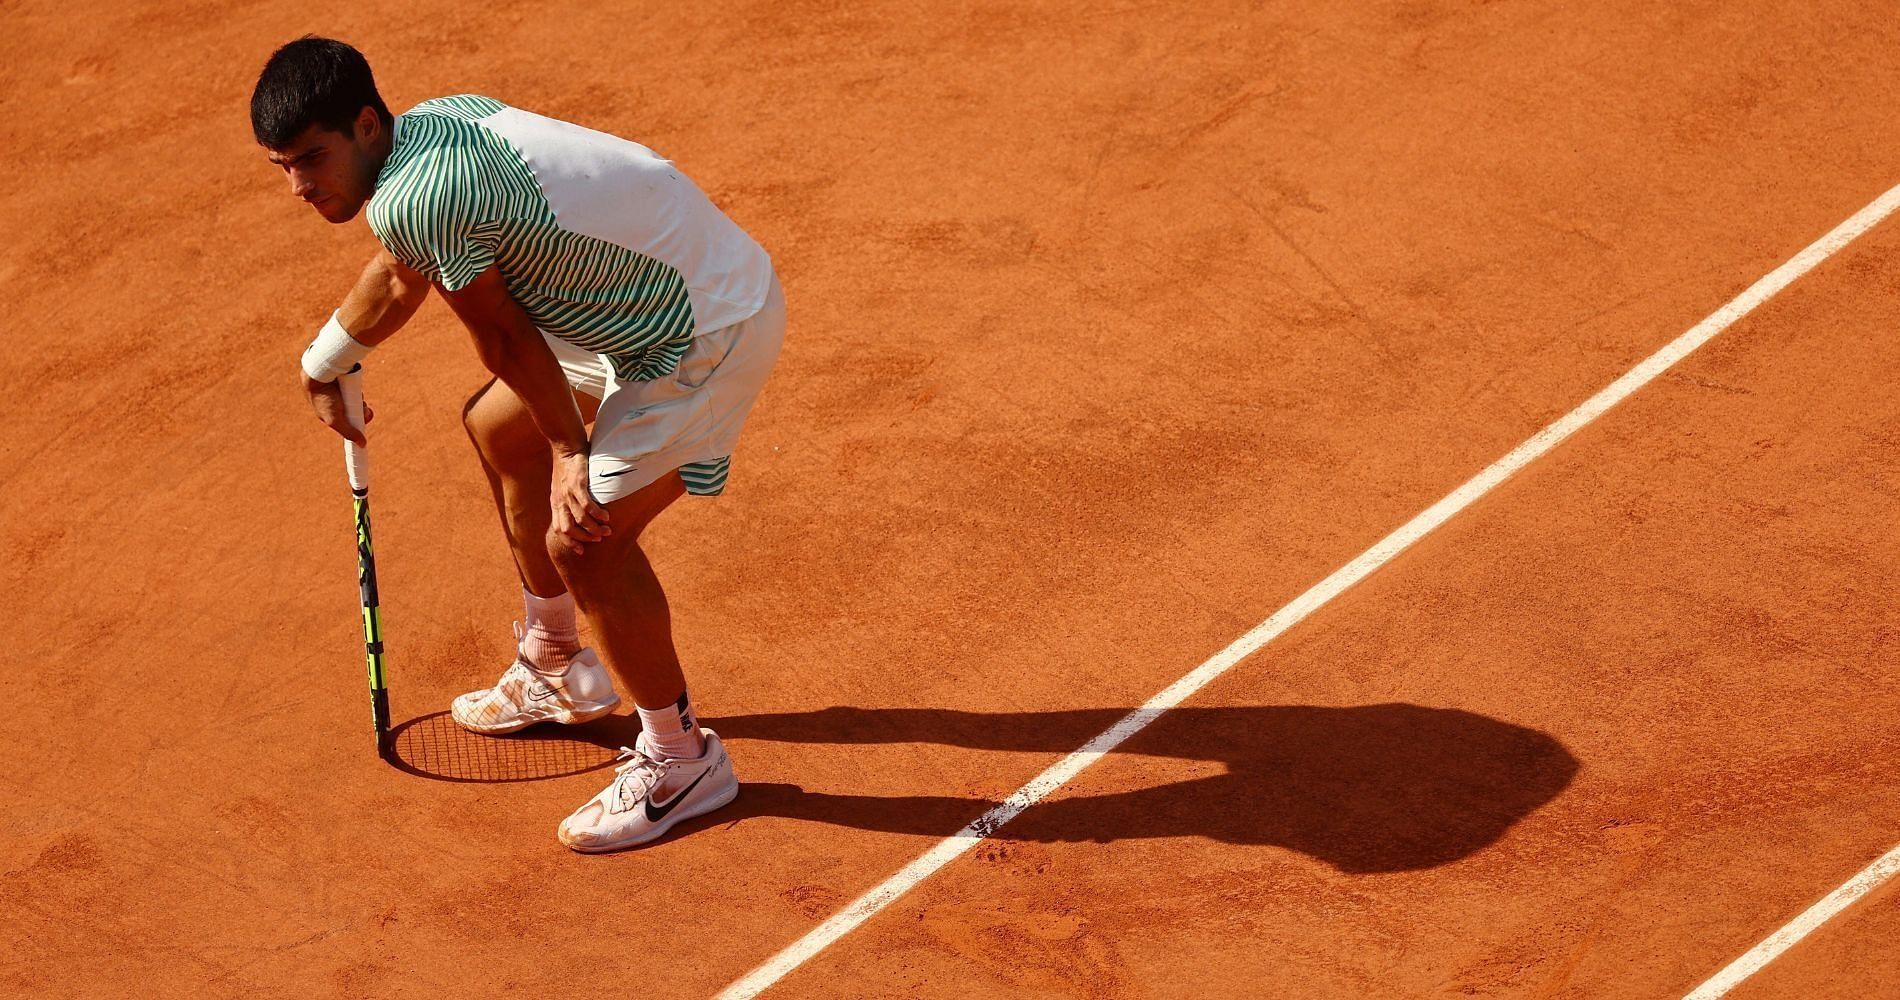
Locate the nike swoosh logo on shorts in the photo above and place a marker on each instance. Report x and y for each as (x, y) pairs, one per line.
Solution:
(617, 472)
(654, 815)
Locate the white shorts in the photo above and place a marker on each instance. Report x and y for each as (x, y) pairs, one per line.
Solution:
(688, 420)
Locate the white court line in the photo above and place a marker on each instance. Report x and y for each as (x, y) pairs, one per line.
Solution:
(1059, 773)
(1869, 879)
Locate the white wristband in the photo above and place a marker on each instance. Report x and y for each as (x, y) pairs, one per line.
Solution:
(333, 352)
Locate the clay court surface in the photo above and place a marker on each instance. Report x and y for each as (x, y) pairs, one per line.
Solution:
(1114, 327)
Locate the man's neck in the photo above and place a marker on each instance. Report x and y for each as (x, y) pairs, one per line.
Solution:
(382, 147)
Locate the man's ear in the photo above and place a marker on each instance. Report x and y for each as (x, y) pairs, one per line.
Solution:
(368, 124)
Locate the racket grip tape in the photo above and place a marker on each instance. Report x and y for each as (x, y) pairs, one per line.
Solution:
(355, 456)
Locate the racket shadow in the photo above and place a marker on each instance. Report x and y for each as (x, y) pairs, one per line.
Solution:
(432, 746)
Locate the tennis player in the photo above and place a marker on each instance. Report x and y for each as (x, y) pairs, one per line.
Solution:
(598, 283)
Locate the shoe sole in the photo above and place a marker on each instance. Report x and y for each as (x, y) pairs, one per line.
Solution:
(652, 834)
(565, 717)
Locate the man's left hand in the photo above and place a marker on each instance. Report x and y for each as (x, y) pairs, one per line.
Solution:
(577, 518)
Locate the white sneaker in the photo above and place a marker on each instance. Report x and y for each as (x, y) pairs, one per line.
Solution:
(581, 692)
(649, 794)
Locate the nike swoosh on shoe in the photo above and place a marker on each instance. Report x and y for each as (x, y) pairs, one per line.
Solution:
(656, 814)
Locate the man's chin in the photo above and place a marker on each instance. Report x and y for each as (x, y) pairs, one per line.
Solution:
(337, 211)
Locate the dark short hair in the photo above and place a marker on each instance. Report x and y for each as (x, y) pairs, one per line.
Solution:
(312, 81)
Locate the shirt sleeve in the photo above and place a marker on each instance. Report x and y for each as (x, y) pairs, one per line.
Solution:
(442, 227)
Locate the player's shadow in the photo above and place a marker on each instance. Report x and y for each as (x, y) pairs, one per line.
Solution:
(1373, 788)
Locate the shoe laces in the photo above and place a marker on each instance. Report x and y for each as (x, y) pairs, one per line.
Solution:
(635, 779)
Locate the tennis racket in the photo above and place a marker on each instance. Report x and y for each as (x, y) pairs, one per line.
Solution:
(356, 463)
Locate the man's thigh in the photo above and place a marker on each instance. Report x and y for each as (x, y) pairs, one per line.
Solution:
(627, 518)
(498, 407)
(629, 515)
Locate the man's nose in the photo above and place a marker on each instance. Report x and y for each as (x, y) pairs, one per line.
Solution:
(300, 183)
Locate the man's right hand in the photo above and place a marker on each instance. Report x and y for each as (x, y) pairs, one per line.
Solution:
(327, 399)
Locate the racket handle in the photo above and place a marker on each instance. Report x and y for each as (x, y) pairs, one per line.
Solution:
(355, 456)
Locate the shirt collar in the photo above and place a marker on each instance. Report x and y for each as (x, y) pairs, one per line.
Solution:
(395, 149)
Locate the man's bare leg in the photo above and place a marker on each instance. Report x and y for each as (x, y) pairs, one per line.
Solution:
(679, 770)
(618, 592)
(520, 466)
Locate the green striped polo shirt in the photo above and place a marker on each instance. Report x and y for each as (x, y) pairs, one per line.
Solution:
(603, 242)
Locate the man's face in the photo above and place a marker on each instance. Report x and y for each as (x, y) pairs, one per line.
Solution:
(334, 172)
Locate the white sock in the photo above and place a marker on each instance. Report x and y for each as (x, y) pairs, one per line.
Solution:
(672, 731)
(552, 638)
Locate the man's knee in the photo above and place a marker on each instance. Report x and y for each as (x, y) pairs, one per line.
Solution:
(628, 518)
(592, 562)
(565, 559)
(604, 560)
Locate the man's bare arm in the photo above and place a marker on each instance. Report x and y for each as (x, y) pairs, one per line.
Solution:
(386, 294)
(513, 349)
